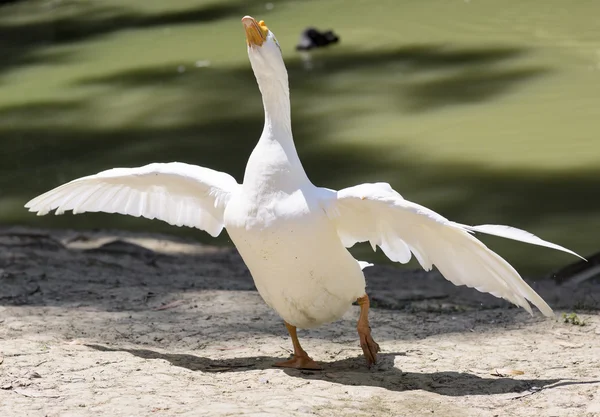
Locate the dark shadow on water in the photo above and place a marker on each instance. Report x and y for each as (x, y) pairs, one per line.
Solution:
(467, 87)
(353, 372)
(82, 21)
(54, 23)
(462, 75)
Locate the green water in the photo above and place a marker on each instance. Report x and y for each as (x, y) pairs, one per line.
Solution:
(485, 111)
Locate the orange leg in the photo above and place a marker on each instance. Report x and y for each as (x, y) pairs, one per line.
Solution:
(368, 345)
(300, 360)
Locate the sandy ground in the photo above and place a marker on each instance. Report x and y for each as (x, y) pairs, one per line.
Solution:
(136, 325)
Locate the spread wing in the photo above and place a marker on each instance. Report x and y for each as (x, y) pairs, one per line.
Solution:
(177, 193)
(378, 214)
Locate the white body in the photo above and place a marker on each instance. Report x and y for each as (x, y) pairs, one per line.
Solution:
(299, 265)
(292, 235)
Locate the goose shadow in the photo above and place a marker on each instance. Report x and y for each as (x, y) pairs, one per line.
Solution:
(353, 372)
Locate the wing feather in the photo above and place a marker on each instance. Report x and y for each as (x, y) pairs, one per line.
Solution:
(513, 233)
(378, 214)
(177, 193)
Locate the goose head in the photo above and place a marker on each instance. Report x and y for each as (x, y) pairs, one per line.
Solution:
(270, 72)
(265, 54)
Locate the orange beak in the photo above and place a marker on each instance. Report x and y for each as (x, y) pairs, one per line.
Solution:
(256, 32)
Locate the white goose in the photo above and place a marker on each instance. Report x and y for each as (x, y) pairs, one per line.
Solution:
(293, 235)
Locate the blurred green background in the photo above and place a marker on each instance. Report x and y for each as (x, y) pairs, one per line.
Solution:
(485, 111)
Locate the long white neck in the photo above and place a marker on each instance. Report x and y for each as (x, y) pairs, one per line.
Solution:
(274, 163)
(278, 123)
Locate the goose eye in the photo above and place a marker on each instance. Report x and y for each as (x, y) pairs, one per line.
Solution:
(277, 43)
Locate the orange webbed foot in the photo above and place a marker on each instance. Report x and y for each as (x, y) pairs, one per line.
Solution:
(300, 362)
(369, 347)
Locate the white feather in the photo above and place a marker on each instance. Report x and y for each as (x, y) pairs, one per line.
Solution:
(177, 193)
(364, 264)
(513, 233)
(378, 214)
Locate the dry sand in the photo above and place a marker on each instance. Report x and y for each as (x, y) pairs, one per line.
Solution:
(118, 324)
